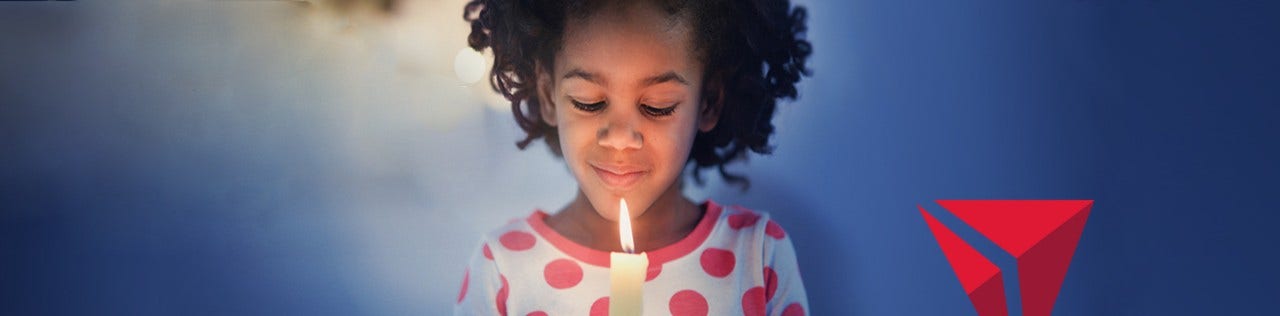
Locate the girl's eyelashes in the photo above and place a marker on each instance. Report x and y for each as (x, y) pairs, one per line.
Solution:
(588, 107)
(657, 111)
(648, 110)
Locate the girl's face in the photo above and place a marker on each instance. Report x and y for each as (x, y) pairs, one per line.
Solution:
(625, 94)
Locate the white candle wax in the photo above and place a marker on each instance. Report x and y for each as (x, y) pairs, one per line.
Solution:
(626, 274)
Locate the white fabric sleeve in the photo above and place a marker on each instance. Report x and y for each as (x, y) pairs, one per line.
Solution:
(481, 287)
(780, 255)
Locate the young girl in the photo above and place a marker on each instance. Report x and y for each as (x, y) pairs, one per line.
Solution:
(629, 93)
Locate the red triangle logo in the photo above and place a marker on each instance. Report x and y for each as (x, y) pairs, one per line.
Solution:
(1040, 234)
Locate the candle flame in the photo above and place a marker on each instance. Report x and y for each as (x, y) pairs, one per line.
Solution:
(624, 228)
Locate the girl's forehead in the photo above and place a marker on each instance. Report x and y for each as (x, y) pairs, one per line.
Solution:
(620, 45)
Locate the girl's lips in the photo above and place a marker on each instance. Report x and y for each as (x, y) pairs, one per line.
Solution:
(618, 180)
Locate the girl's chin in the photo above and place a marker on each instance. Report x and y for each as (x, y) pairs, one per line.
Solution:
(606, 203)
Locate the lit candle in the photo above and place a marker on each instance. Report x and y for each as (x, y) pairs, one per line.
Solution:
(626, 270)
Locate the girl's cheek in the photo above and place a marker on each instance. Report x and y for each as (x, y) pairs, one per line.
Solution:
(570, 124)
(688, 126)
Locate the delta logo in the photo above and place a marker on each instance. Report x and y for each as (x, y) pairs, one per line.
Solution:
(1041, 235)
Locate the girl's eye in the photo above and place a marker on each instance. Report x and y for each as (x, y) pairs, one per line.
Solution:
(656, 111)
(589, 107)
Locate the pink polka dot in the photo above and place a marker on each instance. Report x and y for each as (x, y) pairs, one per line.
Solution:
(793, 310)
(562, 273)
(537, 313)
(740, 220)
(770, 283)
(688, 303)
(717, 262)
(774, 230)
(753, 302)
(501, 298)
(466, 278)
(652, 272)
(488, 254)
(517, 240)
(600, 307)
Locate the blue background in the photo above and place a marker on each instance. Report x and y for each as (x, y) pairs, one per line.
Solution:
(216, 158)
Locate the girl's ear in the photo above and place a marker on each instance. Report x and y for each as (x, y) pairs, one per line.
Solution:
(546, 104)
(712, 104)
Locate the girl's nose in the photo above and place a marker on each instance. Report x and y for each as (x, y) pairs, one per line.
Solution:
(620, 134)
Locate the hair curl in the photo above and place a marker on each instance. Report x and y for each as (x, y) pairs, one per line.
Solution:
(754, 53)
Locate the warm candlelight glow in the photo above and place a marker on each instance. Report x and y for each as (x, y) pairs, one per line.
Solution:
(624, 228)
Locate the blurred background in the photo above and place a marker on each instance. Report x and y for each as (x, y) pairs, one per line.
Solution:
(344, 157)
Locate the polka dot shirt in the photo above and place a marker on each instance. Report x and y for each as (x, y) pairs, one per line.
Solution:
(735, 262)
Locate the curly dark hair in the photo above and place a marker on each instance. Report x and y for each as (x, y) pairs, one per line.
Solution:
(754, 53)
